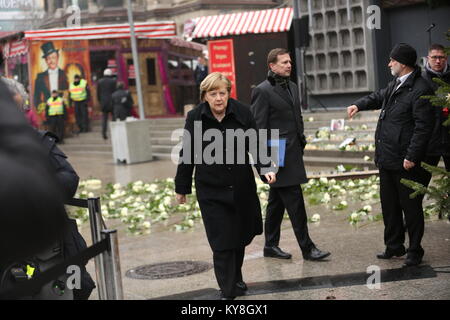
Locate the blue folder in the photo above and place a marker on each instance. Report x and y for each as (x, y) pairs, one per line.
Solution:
(279, 145)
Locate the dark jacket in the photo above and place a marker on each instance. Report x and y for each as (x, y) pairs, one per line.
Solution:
(440, 140)
(226, 193)
(405, 123)
(273, 108)
(32, 216)
(122, 103)
(200, 73)
(65, 174)
(42, 86)
(105, 89)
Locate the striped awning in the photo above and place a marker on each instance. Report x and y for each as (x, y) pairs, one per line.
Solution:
(263, 21)
(15, 48)
(155, 30)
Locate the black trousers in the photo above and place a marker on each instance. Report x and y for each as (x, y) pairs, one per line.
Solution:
(227, 268)
(290, 199)
(395, 202)
(105, 116)
(56, 124)
(434, 160)
(81, 115)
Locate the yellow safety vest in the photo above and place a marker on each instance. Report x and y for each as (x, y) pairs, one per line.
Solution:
(56, 107)
(78, 93)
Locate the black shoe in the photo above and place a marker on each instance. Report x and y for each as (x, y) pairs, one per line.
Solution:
(412, 260)
(392, 253)
(242, 286)
(315, 254)
(222, 297)
(275, 252)
(105, 137)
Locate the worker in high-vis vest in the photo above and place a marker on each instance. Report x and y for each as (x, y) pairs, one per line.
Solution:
(56, 115)
(79, 95)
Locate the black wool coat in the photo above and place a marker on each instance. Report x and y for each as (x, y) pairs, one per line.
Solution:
(405, 124)
(440, 140)
(105, 89)
(226, 193)
(273, 108)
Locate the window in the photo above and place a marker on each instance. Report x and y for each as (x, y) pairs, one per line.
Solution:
(151, 74)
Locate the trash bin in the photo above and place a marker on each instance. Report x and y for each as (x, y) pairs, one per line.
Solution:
(131, 141)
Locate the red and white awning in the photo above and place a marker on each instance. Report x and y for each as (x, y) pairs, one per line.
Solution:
(15, 48)
(263, 21)
(154, 30)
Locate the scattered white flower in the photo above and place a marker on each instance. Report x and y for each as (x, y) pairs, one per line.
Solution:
(354, 216)
(315, 217)
(367, 208)
(146, 225)
(124, 212)
(323, 180)
(117, 186)
(366, 158)
(93, 184)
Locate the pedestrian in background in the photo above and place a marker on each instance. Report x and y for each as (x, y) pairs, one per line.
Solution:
(56, 115)
(439, 144)
(226, 193)
(79, 95)
(122, 102)
(105, 89)
(403, 131)
(276, 105)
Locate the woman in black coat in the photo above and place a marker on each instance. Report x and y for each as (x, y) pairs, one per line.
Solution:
(226, 189)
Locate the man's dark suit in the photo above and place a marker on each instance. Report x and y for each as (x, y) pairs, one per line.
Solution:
(42, 86)
(276, 108)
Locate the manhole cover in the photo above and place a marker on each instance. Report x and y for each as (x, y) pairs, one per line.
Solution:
(168, 270)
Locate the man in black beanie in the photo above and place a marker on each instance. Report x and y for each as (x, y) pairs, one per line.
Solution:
(403, 131)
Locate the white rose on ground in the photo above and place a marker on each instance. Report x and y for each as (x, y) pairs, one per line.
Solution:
(167, 201)
(112, 204)
(354, 216)
(170, 180)
(315, 217)
(117, 186)
(104, 208)
(93, 184)
(323, 180)
(124, 212)
(84, 193)
(367, 208)
(91, 195)
(351, 184)
(344, 203)
(326, 198)
(190, 223)
(138, 183)
(153, 188)
(366, 158)
(310, 119)
(161, 207)
(137, 188)
(146, 225)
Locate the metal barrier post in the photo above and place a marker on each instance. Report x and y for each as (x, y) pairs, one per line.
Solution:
(111, 261)
(96, 224)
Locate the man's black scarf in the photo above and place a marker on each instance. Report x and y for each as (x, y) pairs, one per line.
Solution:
(282, 81)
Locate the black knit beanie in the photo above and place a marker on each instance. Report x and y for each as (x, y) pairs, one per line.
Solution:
(404, 54)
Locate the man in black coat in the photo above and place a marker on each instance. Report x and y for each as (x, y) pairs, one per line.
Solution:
(122, 102)
(52, 79)
(105, 89)
(403, 131)
(275, 105)
(439, 145)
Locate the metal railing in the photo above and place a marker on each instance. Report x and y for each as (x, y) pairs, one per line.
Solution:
(107, 263)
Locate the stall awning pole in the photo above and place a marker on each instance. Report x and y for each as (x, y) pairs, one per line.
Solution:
(137, 71)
